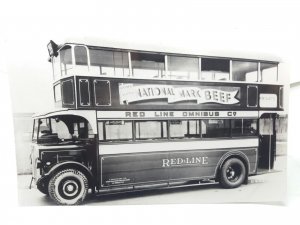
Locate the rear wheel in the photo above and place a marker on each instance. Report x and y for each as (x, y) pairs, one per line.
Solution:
(68, 187)
(233, 173)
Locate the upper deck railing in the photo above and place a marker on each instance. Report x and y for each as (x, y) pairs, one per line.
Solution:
(75, 59)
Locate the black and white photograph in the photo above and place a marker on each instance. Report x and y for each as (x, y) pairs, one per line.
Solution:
(130, 120)
(159, 105)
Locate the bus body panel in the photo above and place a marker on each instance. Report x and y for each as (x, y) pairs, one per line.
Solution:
(112, 93)
(157, 163)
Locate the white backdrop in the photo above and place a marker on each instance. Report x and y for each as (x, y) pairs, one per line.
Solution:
(264, 26)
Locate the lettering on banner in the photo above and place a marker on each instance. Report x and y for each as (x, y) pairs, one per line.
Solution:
(137, 92)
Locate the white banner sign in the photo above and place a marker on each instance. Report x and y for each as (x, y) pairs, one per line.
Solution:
(134, 93)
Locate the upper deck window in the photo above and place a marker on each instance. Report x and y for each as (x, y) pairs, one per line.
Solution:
(245, 71)
(214, 69)
(146, 65)
(66, 60)
(185, 68)
(80, 55)
(56, 67)
(268, 72)
(109, 63)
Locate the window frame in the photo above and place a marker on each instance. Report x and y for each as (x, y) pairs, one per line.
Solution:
(57, 87)
(63, 69)
(245, 61)
(168, 132)
(63, 94)
(261, 74)
(168, 71)
(35, 130)
(188, 134)
(160, 73)
(56, 68)
(87, 56)
(105, 131)
(203, 58)
(152, 138)
(223, 128)
(124, 55)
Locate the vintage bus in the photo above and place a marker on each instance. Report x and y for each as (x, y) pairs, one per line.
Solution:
(129, 119)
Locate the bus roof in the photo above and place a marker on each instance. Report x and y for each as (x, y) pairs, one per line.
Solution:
(196, 50)
(89, 115)
(61, 111)
(49, 113)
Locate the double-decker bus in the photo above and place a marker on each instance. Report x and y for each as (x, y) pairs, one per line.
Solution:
(129, 119)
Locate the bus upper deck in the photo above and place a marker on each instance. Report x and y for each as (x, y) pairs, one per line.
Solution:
(73, 58)
(89, 77)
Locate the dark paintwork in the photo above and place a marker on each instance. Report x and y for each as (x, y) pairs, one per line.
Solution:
(111, 101)
(136, 168)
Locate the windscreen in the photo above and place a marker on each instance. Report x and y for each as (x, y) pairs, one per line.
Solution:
(60, 129)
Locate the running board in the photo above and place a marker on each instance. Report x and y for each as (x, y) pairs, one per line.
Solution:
(140, 187)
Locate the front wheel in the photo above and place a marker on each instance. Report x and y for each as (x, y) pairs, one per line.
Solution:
(233, 173)
(68, 187)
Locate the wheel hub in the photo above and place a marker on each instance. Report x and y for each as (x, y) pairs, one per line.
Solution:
(70, 188)
(232, 173)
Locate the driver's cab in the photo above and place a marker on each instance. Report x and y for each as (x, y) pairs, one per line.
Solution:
(62, 129)
(61, 138)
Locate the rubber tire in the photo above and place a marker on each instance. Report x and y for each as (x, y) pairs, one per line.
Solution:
(56, 184)
(227, 183)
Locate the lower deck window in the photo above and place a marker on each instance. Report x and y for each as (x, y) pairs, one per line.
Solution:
(117, 130)
(243, 127)
(215, 128)
(236, 127)
(120, 130)
(150, 130)
(184, 129)
(249, 127)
